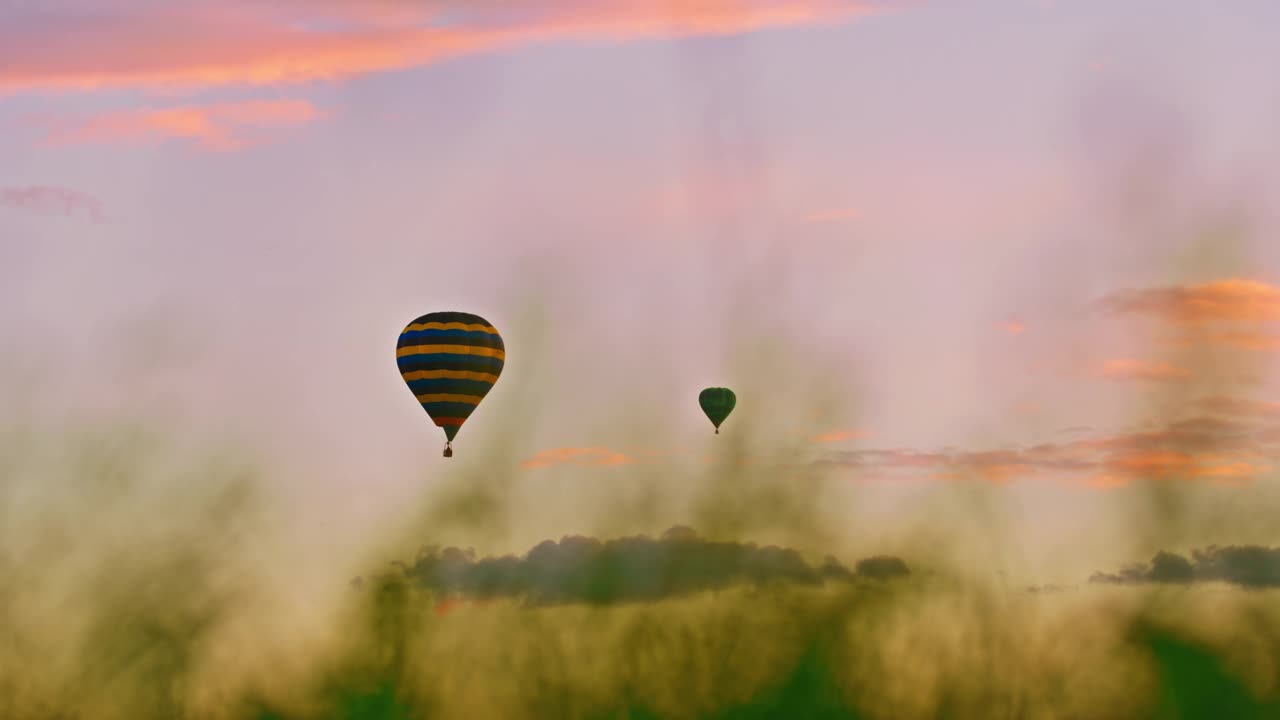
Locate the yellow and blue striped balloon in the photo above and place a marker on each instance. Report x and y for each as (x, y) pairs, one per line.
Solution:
(450, 361)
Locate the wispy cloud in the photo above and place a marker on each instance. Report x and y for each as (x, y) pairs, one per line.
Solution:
(219, 126)
(225, 42)
(51, 200)
(583, 457)
(1133, 369)
(1208, 447)
(835, 436)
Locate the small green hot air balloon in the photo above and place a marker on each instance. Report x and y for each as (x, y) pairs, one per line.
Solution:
(717, 403)
(450, 361)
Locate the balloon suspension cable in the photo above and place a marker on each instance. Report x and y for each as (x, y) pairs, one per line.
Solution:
(448, 449)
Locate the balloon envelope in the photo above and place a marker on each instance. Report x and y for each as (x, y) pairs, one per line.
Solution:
(717, 403)
(450, 361)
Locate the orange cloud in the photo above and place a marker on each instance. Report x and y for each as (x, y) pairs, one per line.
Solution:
(999, 474)
(1231, 469)
(840, 436)
(1235, 313)
(224, 42)
(51, 200)
(1229, 300)
(1150, 463)
(582, 457)
(1131, 369)
(220, 126)
(1220, 467)
(1012, 326)
(1106, 481)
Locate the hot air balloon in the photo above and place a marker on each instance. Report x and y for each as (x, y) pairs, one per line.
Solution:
(717, 403)
(450, 361)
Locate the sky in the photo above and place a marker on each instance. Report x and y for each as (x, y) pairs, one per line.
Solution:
(1022, 243)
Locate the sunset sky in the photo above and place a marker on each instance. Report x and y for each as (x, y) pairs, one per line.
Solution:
(1031, 243)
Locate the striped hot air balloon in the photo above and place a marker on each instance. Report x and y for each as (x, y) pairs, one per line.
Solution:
(450, 361)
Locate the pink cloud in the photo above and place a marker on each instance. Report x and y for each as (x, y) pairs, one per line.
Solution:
(220, 126)
(225, 42)
(51, 200)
